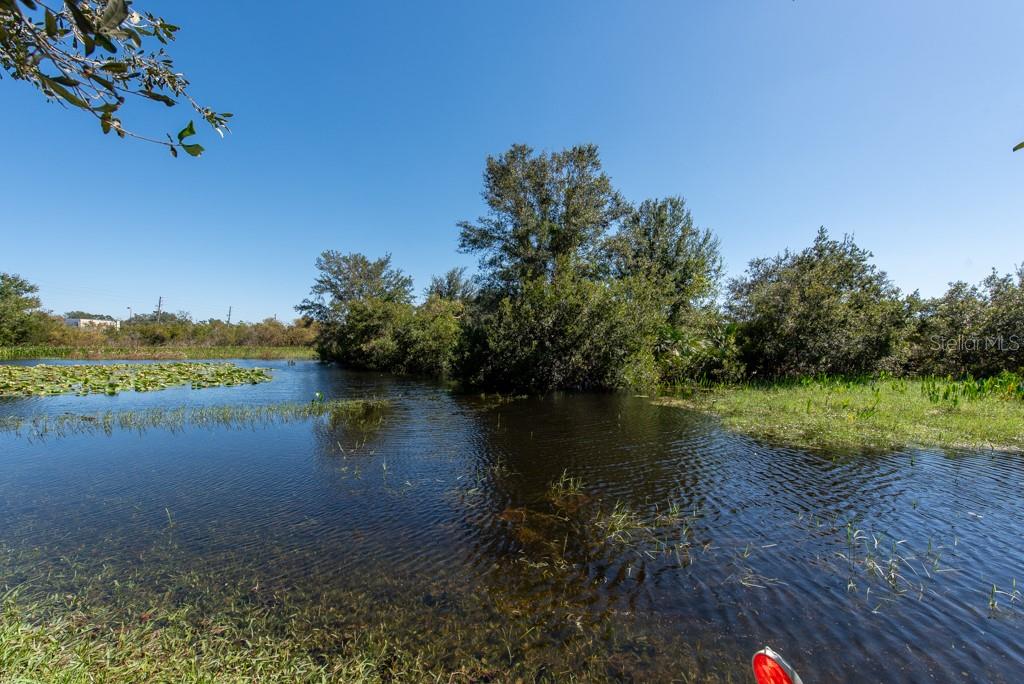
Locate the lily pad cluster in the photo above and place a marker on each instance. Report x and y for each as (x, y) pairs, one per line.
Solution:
(43, 379)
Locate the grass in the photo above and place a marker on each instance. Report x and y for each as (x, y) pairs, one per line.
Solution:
(873, 414)
(155, 353)
(360, 413)
(43, 380)
(171, 624)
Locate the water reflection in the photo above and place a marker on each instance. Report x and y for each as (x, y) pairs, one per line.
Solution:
(664, 539)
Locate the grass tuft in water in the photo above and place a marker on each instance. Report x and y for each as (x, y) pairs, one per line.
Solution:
(362, 414)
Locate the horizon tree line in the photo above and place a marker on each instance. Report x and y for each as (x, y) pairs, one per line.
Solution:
(578, 288)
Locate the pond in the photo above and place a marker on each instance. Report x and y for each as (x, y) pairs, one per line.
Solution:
(535, 537)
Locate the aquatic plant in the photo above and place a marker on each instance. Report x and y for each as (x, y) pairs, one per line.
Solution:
(363, 414)
(565, 486)
(43, 379)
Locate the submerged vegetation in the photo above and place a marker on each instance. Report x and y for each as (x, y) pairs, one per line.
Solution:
(43, 379)
(882, 413)
(358, 413)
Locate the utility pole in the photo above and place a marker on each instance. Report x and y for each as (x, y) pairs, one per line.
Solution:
(159, 308)
(229, 315)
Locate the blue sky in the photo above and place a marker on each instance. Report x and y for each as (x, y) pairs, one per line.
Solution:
(364, 127)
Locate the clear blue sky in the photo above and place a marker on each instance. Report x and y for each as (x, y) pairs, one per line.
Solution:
(364, 127)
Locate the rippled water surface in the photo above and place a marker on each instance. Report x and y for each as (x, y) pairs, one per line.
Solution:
(648, 530)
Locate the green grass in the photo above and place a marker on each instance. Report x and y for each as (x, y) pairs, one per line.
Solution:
(157, 353)
(881, 414)
(44, 380)
(77, 648)
(159, 622)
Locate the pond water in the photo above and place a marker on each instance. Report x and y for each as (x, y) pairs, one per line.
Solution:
(537, 536)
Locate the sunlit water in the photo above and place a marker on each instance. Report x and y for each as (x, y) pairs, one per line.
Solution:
(686, 541)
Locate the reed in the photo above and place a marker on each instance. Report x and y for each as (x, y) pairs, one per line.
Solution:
(363, 414)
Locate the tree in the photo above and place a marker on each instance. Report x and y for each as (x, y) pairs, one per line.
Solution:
(826, 309)
(659, 243)
(348, 278)
(567, 333)
(430, 342)
(87, 315)
(546, 212)
(453, 286)
(92, 55)
(360, 306)
(976, 330)
(22, 320)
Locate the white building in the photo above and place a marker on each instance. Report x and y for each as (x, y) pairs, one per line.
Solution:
(92, 323)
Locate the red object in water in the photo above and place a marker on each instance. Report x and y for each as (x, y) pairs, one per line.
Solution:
(770, 668)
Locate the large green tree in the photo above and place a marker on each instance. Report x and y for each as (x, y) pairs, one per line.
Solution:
(825, 309)
(453, 286)
(659, 243)
(22, 320)
(343, 279)
(93, 55)
(546, 212)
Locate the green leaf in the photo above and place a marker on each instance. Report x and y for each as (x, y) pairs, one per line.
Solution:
(81, 21)
(174, 151)
(186, 131)
(102, 81)
(115, 67)
(51, 24)
(158, 97)
(1019, 146)
(105, 43)
(63, 92)
(194, 150)
(113, 14)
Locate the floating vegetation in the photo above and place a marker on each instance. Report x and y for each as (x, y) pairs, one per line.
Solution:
(110, 379)
(354, 413)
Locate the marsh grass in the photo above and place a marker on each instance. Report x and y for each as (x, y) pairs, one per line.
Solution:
(872, 414)
(155, 353)
(166, 623)
(361, 414)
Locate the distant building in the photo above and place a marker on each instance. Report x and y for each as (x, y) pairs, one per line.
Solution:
(92, 323)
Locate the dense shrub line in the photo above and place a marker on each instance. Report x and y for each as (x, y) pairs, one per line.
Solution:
(578, 289)
(24, 323)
